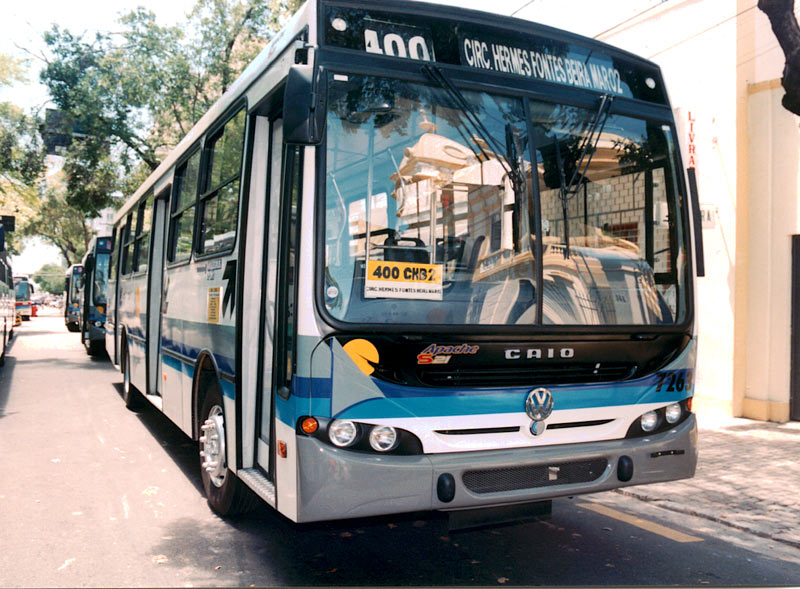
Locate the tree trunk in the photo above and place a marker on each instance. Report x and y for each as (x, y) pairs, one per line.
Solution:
(784, 25)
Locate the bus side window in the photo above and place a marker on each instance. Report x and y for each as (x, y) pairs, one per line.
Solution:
(142, 237)
(220, 199)
(184, 201)
(127, 249)
(113, 272)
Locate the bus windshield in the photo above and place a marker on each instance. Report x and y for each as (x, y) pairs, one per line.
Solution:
(22, 290)
(431, 219)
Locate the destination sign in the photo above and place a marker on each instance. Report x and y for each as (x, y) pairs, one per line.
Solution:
(527, 51)
(594, 74)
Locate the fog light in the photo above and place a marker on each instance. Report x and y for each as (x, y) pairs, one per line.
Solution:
(98, 324)
(342, 433)
(674, 412)
(383, 438)
(649, 421)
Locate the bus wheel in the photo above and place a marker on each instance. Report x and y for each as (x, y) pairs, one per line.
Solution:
(96, 348)
(129, 393)
(226, 494)
(73, 327)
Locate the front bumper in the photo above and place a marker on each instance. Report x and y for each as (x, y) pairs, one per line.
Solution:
(339, 484)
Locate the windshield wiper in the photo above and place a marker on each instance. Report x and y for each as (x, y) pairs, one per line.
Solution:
(578, 175)
(511, 166)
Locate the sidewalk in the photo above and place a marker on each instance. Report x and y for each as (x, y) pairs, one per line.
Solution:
(748, 478)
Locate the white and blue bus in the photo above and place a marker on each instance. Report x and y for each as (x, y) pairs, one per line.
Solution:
(418, 258)
(72, 303)
(92, 291)
(8, 301)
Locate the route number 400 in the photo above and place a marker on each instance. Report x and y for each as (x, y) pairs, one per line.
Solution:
(394, 45)
(678, 380)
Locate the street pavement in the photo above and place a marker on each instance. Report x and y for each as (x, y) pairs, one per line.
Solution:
(748, 478)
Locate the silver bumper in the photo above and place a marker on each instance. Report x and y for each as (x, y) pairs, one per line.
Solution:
(340, 484)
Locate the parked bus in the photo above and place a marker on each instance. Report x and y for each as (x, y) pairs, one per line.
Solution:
(72, 303)
(23, 289)
(418, 258)
(92, 295)
(8, 312)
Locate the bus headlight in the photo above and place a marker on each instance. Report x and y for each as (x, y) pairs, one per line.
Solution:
(383, 438)
(673, 412)
(649, 421)
(342, 433)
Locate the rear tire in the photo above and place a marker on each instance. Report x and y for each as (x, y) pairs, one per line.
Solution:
(129, 393)
(226, 494)
(96, 348)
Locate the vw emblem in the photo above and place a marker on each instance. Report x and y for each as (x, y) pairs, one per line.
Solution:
(539, 404)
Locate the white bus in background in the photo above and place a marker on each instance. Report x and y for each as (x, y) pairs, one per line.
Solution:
(417, 258)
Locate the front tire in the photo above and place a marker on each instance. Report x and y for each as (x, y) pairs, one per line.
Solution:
(225, 493)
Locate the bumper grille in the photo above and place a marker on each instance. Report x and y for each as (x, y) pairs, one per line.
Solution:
(542, 374)
(497, 480)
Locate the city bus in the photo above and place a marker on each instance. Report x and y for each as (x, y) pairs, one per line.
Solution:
(92, 295)
(72, 303)
(23, 289)
(7, 300)
(418, 258)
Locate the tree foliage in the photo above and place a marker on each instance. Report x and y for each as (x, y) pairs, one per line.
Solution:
(144, 87)
(21, 153)
(50, 278)
(784, 25)
(60, 224)
(131, 95)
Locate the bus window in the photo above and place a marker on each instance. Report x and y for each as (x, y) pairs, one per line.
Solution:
(127, 246)
(220, 201)
(142, 238)
(183, 207)
(610, 238)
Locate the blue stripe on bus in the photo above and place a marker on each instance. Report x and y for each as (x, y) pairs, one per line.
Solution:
(224, 363)
(402, 401)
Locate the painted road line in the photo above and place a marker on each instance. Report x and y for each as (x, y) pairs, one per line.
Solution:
(655, 528)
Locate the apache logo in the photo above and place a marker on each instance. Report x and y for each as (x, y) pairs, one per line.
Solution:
(435, 354)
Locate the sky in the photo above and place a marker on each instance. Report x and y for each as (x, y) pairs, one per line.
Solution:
(24, 21)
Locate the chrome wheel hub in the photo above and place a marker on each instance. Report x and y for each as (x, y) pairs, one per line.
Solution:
(212, 446)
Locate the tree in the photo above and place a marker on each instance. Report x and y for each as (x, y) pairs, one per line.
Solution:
(144, 87)
(22, 158)
(784, 25)
(50, 278)
(60, 224)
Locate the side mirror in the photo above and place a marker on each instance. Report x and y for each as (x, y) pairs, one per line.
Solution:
(304, 102)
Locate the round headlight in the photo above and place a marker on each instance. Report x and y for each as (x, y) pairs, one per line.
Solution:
(673, 412)
(383, 438)
(342, 433)
(649, 421)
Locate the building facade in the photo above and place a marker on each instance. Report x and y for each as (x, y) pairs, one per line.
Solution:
(723, 66)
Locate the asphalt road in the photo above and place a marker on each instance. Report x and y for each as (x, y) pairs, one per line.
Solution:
(92, 494)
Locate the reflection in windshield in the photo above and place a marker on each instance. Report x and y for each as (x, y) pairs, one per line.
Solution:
(424, 226)
(620, 221)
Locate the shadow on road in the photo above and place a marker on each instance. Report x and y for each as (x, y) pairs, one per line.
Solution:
(6, 378)
(182, 450)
